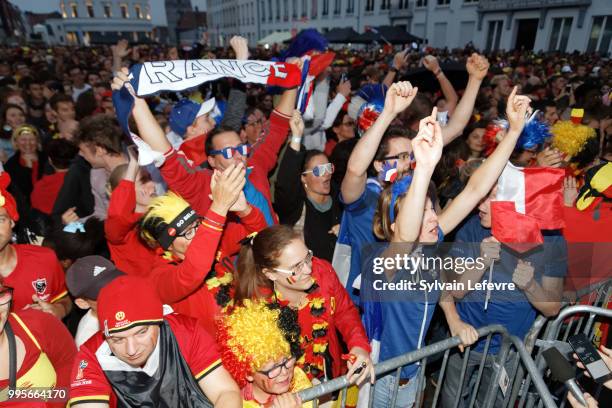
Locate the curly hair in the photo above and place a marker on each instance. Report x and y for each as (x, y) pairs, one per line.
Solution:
(249, 338)
(578, 141)
(161, 212)
(101, 131)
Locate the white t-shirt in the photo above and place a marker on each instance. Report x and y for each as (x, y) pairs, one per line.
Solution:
(78, 91)
(88, 326)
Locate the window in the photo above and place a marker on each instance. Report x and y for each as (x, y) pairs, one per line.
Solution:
(369, 5)
(403, 4)
(350, 6)
(304, 8)
(337, 7)
(277, 10)
(137, 11)
(270, 10)
(63, 9)
(443, 2)
(601, 33)
(75, 10)
(108, 11)
(559, 34)
(421, 3)
(294, 14)
(148, 9)
(90, 9)
(252, 15)
(286, 10)
(315, 9)
(471, 1)
(124, 11)
(325, 10)
(263, 11)
(494, 35)
(386, 4)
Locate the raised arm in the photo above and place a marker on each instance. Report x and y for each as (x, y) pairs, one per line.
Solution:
(485, 177)
(399, 62)
(431, 63)
(236, 103)
(398, 98)
(148, 128)
(427, 149)
(477, 67)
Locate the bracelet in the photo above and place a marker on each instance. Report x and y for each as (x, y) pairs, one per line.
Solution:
(220, 224)
(296, 139)
(438, 72)
(393, 69)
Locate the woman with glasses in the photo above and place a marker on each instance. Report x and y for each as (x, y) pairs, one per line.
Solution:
(187, 245)
(36, 355)
(342, 129)
(278, 267)
(257, 353)
(303, 195)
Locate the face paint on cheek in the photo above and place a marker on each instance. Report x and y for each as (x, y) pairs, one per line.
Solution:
(291, 280)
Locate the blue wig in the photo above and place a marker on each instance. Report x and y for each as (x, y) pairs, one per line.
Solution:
(398, 188)
(534, 134)
(307, 40)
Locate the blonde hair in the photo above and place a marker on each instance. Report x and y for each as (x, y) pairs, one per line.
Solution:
(249, 338)
(20, 130)
(570, 138)
(161, 211)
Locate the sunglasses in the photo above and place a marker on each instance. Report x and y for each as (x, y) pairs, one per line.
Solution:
(400, 156)
(228, 152)
(6, 295)
(321, 170)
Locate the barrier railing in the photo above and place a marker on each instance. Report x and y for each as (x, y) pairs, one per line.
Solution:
(554, 337)
(421, 356)
(597, 296)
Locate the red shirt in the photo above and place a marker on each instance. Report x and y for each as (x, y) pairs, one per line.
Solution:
(194, 149)
(59, 348)
(589, 244)
(128, 251)
(45, 192)
(38, 272)
(89, 384)
(181, 284)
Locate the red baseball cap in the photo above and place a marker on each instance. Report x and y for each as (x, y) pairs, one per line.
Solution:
(126, 302)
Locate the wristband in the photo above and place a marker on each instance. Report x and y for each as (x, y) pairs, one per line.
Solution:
(296, 139)
(438, 72)
(393, 69)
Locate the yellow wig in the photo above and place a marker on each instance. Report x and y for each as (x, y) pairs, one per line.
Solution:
(249, 338)
(570, 138)
(161, 211)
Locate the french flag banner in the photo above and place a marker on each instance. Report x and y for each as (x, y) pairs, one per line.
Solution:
(152, 77)
(528, 200)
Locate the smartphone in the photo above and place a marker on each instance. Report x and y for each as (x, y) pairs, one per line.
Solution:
(343, 77)
(591, 359)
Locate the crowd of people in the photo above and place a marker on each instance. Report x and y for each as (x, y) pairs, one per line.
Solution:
(206, 278)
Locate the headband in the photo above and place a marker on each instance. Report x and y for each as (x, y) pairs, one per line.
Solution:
(170, 231)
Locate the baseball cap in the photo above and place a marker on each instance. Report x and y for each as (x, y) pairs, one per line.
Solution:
(126, 302)
(88, 275)
(566, 69)
(186, 111)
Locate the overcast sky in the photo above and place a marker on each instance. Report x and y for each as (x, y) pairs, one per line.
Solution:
(157, 7)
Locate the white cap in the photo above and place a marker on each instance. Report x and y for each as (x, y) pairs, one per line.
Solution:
(566, 69)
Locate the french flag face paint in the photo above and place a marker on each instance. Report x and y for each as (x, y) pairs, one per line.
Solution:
(389, 172)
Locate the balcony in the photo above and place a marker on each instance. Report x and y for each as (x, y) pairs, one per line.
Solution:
(518, 5)
(543, 6)
(396, 13)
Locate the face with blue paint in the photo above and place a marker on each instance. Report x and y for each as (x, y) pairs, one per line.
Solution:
(221, 141)
(399, 150)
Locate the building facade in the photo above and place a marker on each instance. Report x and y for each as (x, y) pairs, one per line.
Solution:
(87, 22)
(175, 9)
(548, 25)
(12, 27)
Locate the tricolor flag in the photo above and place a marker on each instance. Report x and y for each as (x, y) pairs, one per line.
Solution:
(528, 200)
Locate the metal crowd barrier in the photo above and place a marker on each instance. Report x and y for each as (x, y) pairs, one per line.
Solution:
(556, 335)
(421, 355)
(597, 296)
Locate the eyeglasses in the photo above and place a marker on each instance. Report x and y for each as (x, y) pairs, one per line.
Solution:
(278, 369)
(400, 156)
(299, 267)
(6, 295)
(189, 233)
(321, 170)
(228, 152)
